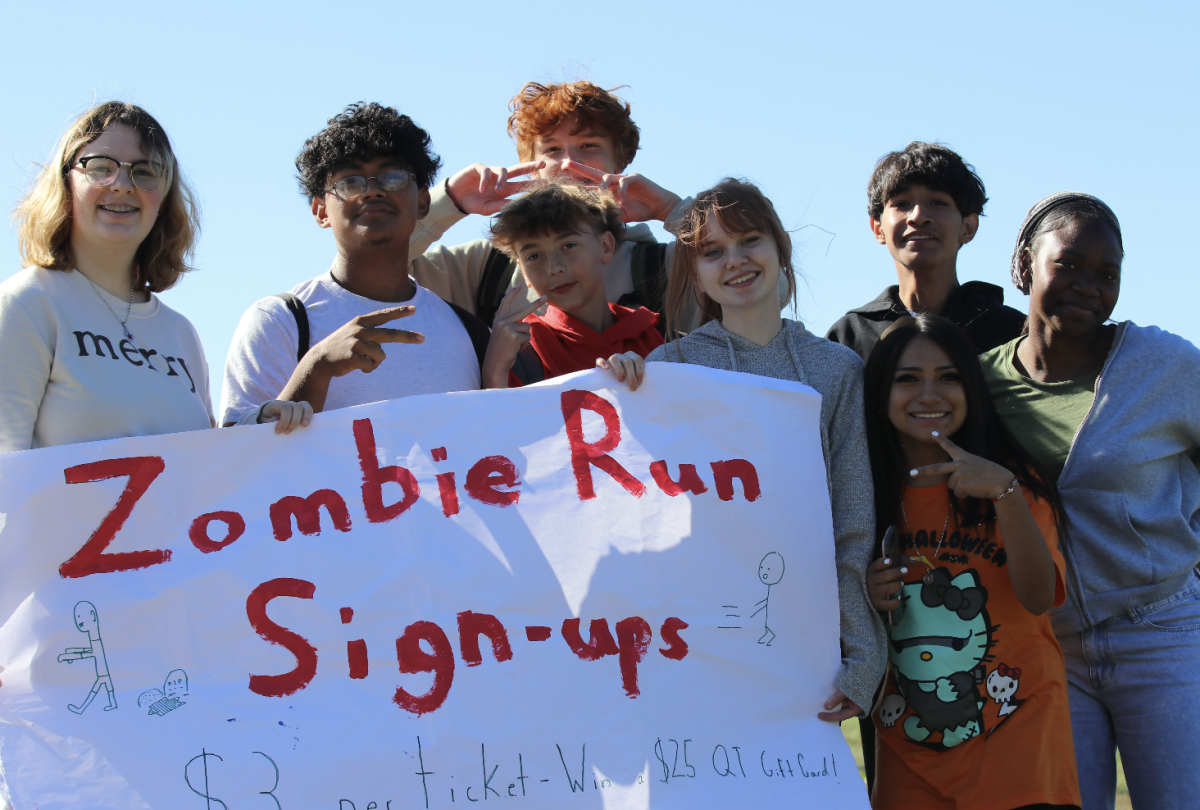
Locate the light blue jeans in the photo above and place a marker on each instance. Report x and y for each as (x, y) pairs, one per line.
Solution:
(1134, 684)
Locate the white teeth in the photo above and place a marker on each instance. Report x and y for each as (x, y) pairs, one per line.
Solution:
(929, 415)
(740, 279)
(119, 209)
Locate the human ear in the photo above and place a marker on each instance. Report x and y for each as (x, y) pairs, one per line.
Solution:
(608, 246)
(320, 214)
(1025, 269)
(422, 203)
(970, 227)
(877, 229)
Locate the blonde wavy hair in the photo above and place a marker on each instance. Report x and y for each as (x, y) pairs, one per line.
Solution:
(43, 216)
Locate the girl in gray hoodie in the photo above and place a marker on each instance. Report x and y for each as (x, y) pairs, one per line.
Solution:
(731, 251)
(1114, 411)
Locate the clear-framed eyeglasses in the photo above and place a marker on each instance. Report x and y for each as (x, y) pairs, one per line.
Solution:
(101, 170)
(353, 187)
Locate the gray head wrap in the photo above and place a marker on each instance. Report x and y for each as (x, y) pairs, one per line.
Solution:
(1043, 209)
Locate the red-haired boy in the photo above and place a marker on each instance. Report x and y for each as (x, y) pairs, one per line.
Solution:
(573, 127)
(564, 236)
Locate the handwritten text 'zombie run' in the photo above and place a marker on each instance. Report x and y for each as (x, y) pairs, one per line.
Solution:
(493, 480)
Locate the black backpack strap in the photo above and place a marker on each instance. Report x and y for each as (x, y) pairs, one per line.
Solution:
(528, 367)
(477, 331)
(648, 266)
(296, 307)
(498, 272)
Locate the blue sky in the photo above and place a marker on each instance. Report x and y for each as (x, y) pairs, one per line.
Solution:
(800, 98)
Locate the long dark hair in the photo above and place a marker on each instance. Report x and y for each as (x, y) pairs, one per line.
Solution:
(982, 434)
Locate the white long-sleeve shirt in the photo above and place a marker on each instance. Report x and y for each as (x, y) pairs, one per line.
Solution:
(68, 374)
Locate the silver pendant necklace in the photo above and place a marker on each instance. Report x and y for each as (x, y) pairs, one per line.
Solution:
(124, 323)
(928, 578)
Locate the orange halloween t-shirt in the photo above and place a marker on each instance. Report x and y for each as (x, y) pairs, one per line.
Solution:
(974, 710)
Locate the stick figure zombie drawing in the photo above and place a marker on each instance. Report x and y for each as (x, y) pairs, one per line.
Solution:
(770, 571)
(87, 620)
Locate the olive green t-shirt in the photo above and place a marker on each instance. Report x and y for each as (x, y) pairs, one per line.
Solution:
(1044, 417)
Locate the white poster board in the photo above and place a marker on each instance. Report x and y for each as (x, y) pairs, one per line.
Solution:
(526, 597)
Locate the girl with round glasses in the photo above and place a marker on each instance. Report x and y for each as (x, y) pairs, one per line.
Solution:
(91, 352)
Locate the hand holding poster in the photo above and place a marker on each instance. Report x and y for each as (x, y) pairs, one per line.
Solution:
(564, 595)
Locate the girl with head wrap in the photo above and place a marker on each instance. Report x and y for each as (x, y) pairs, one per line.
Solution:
(1113, 410)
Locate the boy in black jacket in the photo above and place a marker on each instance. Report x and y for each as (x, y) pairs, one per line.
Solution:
(924, 204)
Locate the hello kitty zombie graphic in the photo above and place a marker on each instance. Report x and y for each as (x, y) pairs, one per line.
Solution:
(976, 689)
(938, 646)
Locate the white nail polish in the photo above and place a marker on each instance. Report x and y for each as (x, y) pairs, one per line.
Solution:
(912, 472)
(903, 570)
(886, 561)
(935, 433)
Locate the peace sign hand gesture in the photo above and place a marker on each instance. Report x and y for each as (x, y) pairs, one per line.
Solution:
(510, 334)
(640, 198)
(969, 476)
(480, 189)
(356, 346)
(1030, 566)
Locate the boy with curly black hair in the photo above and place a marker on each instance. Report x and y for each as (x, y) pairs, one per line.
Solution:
(925, 203)
(367, 178)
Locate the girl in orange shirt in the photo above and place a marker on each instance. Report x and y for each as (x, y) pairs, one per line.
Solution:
(973, 711)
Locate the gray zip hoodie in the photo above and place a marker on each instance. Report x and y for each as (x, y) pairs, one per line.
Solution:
(836, 373)
(1131, 484)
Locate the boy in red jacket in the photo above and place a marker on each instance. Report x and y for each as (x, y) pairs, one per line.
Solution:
(563, 235)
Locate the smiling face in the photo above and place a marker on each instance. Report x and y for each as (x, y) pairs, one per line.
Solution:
(119, 214)
(739, 271)
(568, 268)
(1074, 277)
(579, 143)
(376, 219)
(927, 394)
(923, 229)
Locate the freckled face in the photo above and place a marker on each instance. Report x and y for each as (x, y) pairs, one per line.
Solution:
(578, 142)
